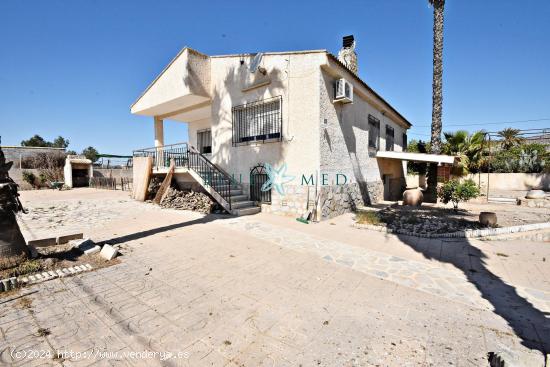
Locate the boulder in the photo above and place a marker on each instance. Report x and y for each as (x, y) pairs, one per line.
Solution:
(413, 197)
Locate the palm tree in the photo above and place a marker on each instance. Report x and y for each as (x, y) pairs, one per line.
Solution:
(468, 148)
(510, 138)
(437, 91)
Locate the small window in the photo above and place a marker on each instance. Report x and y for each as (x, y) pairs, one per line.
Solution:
(389, 138)
(257, 121)
(204, 141)
(404, 142)
(374, 132)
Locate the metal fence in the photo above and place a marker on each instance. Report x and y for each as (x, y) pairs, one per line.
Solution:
(111, 183)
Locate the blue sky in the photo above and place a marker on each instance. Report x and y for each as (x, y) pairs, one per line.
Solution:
(73, 67)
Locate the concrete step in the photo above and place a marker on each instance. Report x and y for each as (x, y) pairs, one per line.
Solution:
(247, 211)
(236, 198)
(241, 204)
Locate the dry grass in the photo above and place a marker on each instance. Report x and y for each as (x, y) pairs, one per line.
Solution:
(368, 218)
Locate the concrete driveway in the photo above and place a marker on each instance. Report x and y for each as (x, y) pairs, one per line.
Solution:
(194, 290)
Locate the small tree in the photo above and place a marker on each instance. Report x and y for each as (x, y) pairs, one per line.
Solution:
(35, 141)
(455, 191)
(91, 153)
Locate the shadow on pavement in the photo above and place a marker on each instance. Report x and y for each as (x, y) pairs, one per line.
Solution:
(150, 232)
(528, 323)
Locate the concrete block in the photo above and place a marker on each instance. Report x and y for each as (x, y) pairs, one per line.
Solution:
(66, 271)
(24, 280)
(32, 278)
(88, 266)
(108, 252)
(60, 273)
(38, 277)
(64, 239)
(13, 282)
(45, 275)
(43, 242)
(52, 274)
(92, 250)
(6, 284)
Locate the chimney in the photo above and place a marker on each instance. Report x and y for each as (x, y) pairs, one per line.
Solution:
(347, 55)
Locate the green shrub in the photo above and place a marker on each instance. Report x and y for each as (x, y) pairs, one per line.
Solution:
(455, 191)
(29, 178)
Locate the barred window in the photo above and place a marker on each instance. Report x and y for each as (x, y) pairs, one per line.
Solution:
(389, 138)
(374, 132)
(404, 142)
(258, 121)
(204, 141)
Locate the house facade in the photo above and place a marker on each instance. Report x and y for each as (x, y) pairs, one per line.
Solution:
(304, 115)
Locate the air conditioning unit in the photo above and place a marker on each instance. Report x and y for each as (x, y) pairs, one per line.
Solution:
(343, 91)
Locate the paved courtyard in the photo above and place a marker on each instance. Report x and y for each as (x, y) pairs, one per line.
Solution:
(269, 291)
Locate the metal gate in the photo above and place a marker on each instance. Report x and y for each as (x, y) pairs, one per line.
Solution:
(258, 177)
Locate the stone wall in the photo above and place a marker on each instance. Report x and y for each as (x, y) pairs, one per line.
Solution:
(294, 202)
(334, 200)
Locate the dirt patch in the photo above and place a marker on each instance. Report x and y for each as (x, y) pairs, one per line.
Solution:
(56, 257)
(441, 219)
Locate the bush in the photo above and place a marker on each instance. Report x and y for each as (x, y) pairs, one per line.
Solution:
(44, 160)
(455, 191)
(525, 158)
(29, 178)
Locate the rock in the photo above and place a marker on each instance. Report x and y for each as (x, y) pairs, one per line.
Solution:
(49, 262)
(535, 194)
(413, 197)
(488, 219)
(108, 252)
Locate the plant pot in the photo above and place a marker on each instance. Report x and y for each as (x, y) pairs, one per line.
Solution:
(488, 219)
(413, 197)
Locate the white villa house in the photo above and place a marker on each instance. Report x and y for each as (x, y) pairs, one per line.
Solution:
(301, 120)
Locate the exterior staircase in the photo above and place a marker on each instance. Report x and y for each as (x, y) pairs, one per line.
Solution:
(218, 183)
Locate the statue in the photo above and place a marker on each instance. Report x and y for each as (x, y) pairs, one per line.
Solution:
(12, 244)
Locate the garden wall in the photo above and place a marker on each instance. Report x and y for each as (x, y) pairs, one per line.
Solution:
(501, 181)
(512, 181)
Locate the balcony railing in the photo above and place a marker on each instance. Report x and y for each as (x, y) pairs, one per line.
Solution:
(162, 155)
(185, 156)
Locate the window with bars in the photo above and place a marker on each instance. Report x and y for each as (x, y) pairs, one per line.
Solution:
(374, 132)
(404, 142)
(204, 141)
(258, 121)
(390, 138)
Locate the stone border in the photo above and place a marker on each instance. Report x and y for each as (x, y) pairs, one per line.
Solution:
(14, 282)
(470, 233)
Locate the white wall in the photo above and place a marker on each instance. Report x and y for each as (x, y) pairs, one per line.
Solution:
(295, 77)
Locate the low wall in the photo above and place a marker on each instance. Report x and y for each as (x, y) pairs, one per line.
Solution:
(512, 181)
(16, 174)
(500, 181)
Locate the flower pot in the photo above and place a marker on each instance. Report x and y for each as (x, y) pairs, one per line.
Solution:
(488, 219)
(413, 197)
